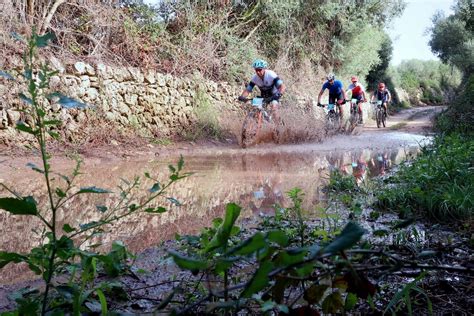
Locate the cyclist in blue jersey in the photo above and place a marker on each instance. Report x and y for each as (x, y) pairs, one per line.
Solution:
(269, 84)
(337, 95)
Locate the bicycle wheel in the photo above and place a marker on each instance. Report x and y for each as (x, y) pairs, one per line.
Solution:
(250, 129)
(331, 120)
(378, 117)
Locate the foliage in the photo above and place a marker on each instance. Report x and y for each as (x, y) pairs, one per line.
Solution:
(435, 82)
(452, 37)
(60, 251)
(439, 184)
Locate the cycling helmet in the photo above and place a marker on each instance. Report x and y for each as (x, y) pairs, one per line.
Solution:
(259, 63)
(330, 76)
(354, 79)
(381, 85)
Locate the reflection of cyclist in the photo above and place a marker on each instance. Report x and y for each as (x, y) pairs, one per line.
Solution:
(382, 94)
(270, 85)
(380, 164)
(358, 93)
(336, 92)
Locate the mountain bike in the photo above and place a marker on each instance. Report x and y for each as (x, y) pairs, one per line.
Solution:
(355, 115)
(259, 113)
(333, 116)
(380, 115)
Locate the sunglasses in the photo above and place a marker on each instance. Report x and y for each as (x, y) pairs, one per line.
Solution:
(258, 69)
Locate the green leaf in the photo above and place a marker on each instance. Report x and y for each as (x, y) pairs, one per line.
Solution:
(188, 263)
(291, 256)
(180, 163)
(7, 257)
(6, 75)
(250, 245)
(89, 225)
(65, 101)
(52, 122)
(315, 293)
(332, 303)
(92, 189)
(223, 232)
(155, 188)
(24, 128)
(279, 237)
(25, 99)
(60, 193)
(349, 236)
(101, 208)
(351, 301)
(259, 280)
(54, 134)
(42, 41)
(25, 206)
(157, 210)
(34, 167)
(172, 168)
(67, 228)
(103, 302)
(224, 264)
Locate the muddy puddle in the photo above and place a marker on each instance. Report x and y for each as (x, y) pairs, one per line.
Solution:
(256, 179)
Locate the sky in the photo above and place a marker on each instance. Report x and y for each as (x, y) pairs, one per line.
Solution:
(408, 31)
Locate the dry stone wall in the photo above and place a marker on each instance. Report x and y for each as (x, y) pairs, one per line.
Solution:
(144, 100)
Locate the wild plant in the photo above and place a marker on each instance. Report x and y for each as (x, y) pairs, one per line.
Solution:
(61, 251)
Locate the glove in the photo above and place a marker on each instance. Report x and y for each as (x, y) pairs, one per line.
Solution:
(344, 102)
(241, 98)
(320, 105)
(277, 96)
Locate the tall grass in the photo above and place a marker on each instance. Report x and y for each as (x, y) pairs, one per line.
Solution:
(438, 184)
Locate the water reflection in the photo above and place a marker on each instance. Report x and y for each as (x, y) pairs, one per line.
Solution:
(255, 181)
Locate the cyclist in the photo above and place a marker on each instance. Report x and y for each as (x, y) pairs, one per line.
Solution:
(336, 92)
(382, 94)
(269, 84)
(358, 92)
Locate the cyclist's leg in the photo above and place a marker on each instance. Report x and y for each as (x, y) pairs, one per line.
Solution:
(385, 106)
(359, 104)
(275, 111)
(340, 99)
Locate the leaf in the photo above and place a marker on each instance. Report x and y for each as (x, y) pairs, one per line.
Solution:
(92, 189)
(42, 41)
(349, 236)
(332, 303)
(250, 245)
(24, 128)
(174, 201)
(6, 75)
(279, 237)
(65, 101)
(25, 206)
(155, 188)
(34, 167)
(89, 225)
(25, 99)
(52, 122)
(68, 229)
(180, 163)
(188, 263)
(223, 232)
(157, 210)
(101, 208)
(259, 280)
(315, 293)
(7, 257)
(103, 302)
(351, 301)
(60, 193)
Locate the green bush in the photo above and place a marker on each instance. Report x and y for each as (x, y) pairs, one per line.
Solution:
(439, 183)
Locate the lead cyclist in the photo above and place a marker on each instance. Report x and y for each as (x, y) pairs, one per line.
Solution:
(269, 84)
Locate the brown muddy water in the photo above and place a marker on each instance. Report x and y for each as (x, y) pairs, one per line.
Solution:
(256, 178)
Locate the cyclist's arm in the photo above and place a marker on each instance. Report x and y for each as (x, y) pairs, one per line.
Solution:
(248, 89)
(389, 97)
(281, 88)
(320, 94)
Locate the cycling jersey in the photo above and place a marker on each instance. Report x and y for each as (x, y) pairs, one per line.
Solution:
(335, 89)
(382, 95)
(357, 89)
(268, 85)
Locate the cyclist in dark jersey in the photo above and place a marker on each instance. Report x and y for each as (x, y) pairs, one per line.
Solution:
(382, 94)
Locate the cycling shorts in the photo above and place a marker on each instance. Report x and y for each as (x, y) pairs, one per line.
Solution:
(334, 97)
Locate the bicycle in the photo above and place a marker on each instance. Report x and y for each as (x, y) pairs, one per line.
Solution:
(355, 115)
(380, 114)
(257, 115)
(333, 116)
